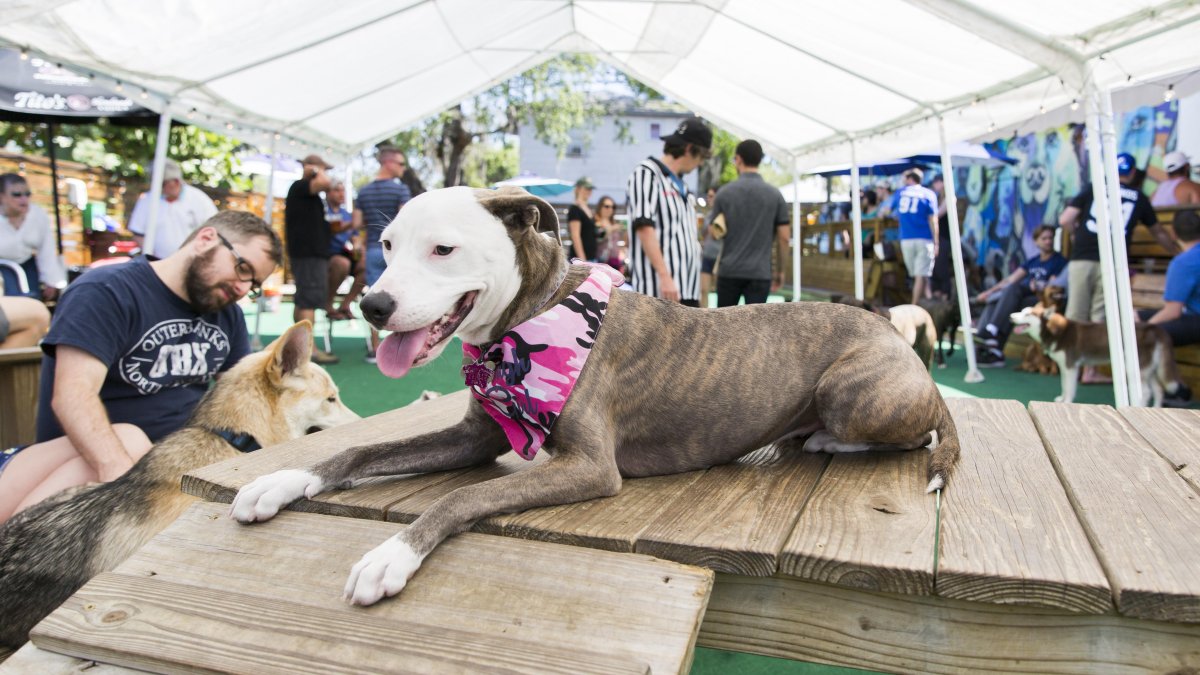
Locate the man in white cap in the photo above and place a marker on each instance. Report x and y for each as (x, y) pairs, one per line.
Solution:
(181, 210)
(1179, 188)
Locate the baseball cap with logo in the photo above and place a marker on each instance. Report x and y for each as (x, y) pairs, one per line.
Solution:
(171, 171)
(315, 160)
(1175, 161)
(1125, 163)
(692, 130)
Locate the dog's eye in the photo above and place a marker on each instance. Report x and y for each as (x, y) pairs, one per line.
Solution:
(443, 250)
(387, 245)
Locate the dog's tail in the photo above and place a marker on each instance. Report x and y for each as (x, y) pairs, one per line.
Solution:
(945, 453)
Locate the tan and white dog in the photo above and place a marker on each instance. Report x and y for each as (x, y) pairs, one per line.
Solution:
(666, 388)
(1071, 344)
(49, 550)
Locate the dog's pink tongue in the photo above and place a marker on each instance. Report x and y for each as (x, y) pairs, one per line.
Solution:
(397, 352)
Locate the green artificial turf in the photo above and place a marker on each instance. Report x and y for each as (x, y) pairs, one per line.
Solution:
(368, 392)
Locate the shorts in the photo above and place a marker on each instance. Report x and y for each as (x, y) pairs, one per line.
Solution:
(918, 256)
(707, 265)
(5, 326)
(312, 282)
(375, 262)
(7, 454)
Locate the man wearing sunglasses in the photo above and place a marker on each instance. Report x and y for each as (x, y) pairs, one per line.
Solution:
(133, 347)
(665, 255)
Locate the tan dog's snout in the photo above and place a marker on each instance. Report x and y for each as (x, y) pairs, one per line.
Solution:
(377, 308)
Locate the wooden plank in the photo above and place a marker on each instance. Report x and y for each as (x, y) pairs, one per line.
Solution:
(30, 660)
(632, 606)
(20, 381)
(1140, 516)
(1008, 532)
(611, 524)
(221, 481)
(1174, 434)
(156, 625)
(793, 619)
(869, 524)
(411, 504)
(736, 517)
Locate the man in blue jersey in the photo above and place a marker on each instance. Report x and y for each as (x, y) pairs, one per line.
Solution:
(377, 205)
(916, 210)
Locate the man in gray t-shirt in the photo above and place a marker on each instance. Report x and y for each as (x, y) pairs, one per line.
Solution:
(756, 215)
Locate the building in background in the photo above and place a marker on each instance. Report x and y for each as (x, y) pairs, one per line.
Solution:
(597, 154)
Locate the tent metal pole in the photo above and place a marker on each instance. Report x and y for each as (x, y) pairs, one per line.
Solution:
(1096, 162)
(156, 173)
(1120, 254)
(53, 155)
(349, 181)
(797, 230)
(856, 219)
(268, 211)
(960, 276)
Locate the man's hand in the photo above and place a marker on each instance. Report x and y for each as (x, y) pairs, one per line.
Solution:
(669, 290)
(984, 295)
(49, 293)
(114, 467)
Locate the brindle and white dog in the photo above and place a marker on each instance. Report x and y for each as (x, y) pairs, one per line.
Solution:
(666, 388)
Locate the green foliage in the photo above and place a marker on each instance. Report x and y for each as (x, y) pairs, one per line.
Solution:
(206, 157)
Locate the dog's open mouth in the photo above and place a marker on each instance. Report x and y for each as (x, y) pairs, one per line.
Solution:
(399, 352)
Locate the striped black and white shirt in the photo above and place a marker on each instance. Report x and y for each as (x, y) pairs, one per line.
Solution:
(651, 195)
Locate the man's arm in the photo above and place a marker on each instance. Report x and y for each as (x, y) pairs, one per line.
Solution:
(1069, 218)
(319, 183)
(1165, 239)
(666, 283)
(1013, 278)
(78, 377)
(783, 237)
(1170, 311)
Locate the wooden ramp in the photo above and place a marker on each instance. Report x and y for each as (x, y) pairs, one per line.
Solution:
(1066, 543)
(209, 594)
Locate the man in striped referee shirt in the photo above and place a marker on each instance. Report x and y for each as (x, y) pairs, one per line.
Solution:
(665, 255)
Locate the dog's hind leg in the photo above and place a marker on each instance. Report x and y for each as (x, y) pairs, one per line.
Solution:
(567, 477)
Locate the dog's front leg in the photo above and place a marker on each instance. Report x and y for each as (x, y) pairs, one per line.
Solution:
(474, 440)
(565, 478)
(1070, 380)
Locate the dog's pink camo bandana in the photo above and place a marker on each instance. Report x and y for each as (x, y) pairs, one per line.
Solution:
(524, 379)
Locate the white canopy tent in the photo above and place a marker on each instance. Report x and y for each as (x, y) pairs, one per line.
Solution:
(817, 83)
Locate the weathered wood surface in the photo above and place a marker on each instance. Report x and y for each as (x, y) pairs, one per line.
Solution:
(1008, 533)
(794, 619)
(1141, 517)
(736, 517)
(30, 660)
(1175, 434)
(20, 381)
(532, 606)
(869, 524)
(221, 481)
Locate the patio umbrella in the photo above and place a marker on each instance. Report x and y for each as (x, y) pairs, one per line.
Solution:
(537, 185)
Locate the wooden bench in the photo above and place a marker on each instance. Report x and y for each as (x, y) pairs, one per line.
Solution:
(20, 381)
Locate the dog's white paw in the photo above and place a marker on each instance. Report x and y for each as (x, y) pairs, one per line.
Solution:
(383, 572)
(1058, 399)
(262, 497)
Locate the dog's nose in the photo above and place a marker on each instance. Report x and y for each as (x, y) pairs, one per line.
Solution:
(377, 308)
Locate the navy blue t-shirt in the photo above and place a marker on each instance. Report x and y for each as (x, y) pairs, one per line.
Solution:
(161, 354)
(380, 201)
(1038, 272)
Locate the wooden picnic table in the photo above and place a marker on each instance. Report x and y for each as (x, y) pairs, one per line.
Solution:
(1066, 541)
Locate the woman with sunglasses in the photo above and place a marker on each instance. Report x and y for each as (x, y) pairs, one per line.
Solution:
(611, 234)
(27, 239)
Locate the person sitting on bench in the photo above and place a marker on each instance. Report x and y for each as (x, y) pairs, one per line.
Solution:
(1180, 314)
(1014, 292)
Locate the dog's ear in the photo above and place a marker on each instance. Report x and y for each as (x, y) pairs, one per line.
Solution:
(1056, 323)
(519, 210)
(292, 350)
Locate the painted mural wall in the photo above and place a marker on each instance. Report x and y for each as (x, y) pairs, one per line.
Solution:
(1007, 203)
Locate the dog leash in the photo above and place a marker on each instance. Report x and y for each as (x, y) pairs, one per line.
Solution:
(242, 442)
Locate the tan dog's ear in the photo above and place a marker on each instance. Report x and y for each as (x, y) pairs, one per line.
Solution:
(519, 210)
(1056, 324)
(291, 351)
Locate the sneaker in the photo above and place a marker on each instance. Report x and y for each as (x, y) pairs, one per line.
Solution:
(324, 358)
(990, 359)
(1182, 398)
(370, 358)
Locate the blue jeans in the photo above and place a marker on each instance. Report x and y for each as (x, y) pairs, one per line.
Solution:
(12, 285)
(375, 262)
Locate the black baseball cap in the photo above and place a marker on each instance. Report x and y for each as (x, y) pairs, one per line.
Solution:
(692, 130)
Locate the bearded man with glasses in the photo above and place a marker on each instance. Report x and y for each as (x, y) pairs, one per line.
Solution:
(133, 347)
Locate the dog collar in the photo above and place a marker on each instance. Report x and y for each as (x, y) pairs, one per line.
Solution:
(523, 379)
(243, 442)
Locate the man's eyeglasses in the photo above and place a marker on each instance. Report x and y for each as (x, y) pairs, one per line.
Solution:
(245, 271)
(26, 193)
(608, 206)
